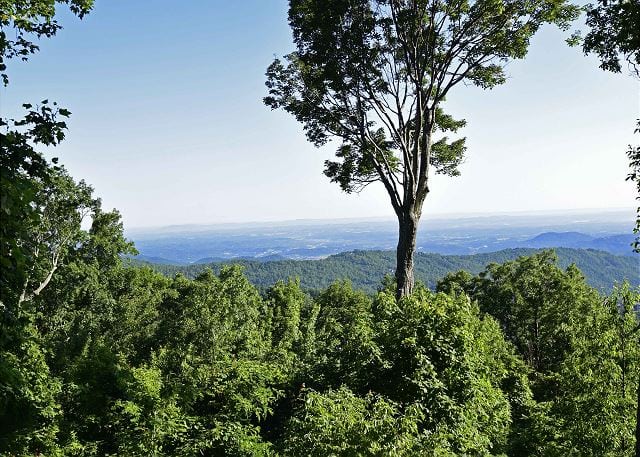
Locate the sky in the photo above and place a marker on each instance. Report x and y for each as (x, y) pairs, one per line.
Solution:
(169, 127)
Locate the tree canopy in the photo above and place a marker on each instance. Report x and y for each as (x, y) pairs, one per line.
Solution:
(614, 34)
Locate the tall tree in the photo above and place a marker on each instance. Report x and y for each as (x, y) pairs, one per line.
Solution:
(614, 36)
(42, 205)
(373, 74)
(24, 172)
(633, 153)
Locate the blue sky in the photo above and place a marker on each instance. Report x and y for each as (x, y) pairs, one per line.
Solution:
(169, 126)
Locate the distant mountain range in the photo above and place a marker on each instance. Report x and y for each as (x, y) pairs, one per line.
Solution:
(365, 269)
(605, 230)
(615, 244)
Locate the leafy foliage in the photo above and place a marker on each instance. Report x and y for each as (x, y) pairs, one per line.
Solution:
(582, 351)
(131, 362)
(371, 72)
(25, 177)
(633, 153)
(29, 20)
(614, 34)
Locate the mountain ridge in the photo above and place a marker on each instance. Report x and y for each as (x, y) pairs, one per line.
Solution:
(366, 268)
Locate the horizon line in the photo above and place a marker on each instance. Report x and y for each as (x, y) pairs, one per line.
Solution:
(438, 215)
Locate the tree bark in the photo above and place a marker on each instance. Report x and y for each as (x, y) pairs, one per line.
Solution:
(408, 227)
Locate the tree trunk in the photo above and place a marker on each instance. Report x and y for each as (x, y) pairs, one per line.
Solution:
(408, 227)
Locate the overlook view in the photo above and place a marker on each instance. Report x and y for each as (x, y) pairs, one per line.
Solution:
(327, 228)
(313, 239)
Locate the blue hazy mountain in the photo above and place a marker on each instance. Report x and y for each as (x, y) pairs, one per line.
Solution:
(564, 239)
(606, 230)
(615, 244)
(155, 260)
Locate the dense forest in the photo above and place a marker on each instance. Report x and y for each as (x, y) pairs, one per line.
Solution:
(517, 356)
(366, 268)
(523, 359)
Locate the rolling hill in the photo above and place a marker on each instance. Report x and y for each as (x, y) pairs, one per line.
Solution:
(365, 269)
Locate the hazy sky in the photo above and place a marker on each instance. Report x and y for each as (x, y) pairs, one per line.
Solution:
(168, 122)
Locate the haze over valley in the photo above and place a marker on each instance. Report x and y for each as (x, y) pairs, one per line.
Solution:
(606, 230)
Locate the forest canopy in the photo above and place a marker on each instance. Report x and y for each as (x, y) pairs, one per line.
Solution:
(365, 268)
